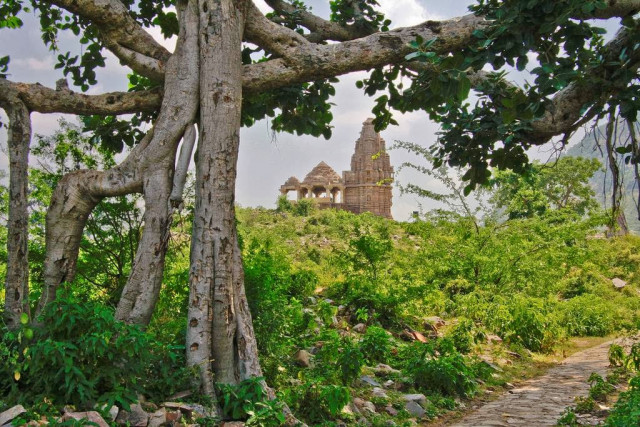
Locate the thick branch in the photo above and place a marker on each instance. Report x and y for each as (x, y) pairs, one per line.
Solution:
(120, 32)
(565, 112)
(320, 28)
(320, 61)
(270, 36)
(17, 281)
(42, 99)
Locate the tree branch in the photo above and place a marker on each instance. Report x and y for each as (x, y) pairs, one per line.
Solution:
(270, 36)
(42, 99)
(314, 61)
(120, 33)
(321, 29)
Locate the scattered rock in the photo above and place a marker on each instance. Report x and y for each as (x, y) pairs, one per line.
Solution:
(389, 384)
(341, 309)
(514, 354)
(418, 398)
(180, 395)
(137, 417)
(364, 405)
(158, 418)
(113, 412)
(414, 409)
(11, 413)
(494, 338)
(436, 321)
(90, 416)
(618, 283)
(360, 328)
(413, 336)
(390, 423)
(179, 406)
(378, 392)
(174, 416)
(487, 361)
(391, 410)
(328, 301)
(202, 411)
(303, 358)
(382, 369)
(312, 300)
(369, 381)
(232, 424)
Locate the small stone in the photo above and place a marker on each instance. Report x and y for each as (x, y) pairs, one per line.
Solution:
(436, 321)
(158, 418)
(178, 405)
(11, 413)
(414, 409)
(113, 412)
(369, 381)
(341, 308)
(90, 416)
(494, 338)
(390, 423)
(137, 417)
(328, 301)
(514, 354)
(312, 300)
(180, 395)
(173, 416)
(378, 392)
(364, 405)
(382, 369)
(232, 424)
(389, 384)
(360, 328)
(618, 283)
(391, 410)
(303, 358)
(417, 397)
(487, 361)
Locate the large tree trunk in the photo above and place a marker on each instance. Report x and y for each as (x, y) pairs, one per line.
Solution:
(16, 299)
(147, 169)
(219, 336)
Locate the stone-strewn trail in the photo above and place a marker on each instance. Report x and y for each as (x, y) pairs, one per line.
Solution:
(541, 401)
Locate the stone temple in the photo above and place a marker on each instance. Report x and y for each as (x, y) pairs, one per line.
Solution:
(364, 188)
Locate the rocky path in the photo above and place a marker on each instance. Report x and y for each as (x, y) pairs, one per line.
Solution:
(541, 401)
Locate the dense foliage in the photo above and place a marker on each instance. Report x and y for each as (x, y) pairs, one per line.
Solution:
(529, 277)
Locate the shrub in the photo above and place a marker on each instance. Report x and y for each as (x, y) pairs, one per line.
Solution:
(448, 374)
(376, 344)
(462, 336)
(588, 315)
(249, 401)
(81, 355)
(626, 411)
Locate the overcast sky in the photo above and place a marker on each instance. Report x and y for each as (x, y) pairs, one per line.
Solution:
(266, 160)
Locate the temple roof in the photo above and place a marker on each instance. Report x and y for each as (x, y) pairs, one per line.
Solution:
(322, 174)
(292, 182)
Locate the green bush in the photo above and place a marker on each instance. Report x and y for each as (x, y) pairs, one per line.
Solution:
(626, 411)
(588, 315)
(376, 344)
(449, 374)
(462, 336)
(81, 355)
(249, 401)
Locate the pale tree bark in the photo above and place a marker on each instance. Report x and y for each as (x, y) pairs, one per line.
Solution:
(212, 327)
(147, 169)
(16, 299)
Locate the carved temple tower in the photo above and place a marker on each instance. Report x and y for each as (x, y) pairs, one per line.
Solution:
(365, 188)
